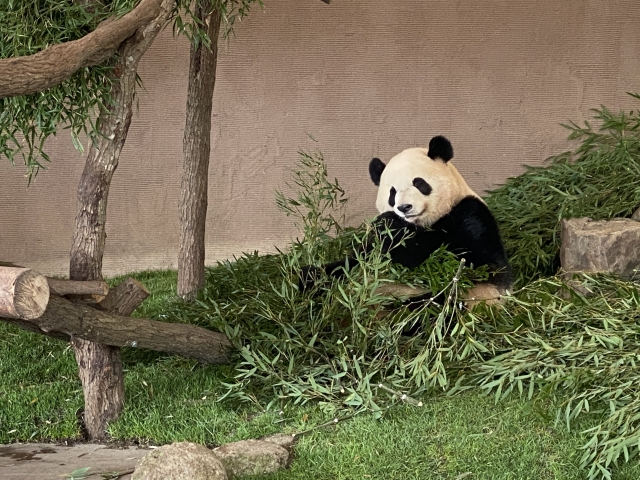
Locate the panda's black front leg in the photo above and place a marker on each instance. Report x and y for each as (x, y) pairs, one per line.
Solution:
(310, 274)
(388, 227)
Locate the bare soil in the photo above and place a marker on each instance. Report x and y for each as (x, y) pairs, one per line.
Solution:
(40, 461)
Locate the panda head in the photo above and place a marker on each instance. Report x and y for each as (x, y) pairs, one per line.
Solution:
(420, 185)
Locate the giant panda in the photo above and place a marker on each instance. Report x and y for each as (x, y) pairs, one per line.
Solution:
(420, 191)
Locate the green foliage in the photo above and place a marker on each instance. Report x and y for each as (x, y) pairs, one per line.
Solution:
(27, 121)
(334, 344)
(580, 351)
(335, 347)
(315, 205)
(171, 399)
(187, 23)
(28, 27)
(599, 179)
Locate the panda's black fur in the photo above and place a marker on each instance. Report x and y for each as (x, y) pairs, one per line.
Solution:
(467, 228)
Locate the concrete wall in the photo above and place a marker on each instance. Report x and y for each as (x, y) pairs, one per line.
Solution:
(365, 78)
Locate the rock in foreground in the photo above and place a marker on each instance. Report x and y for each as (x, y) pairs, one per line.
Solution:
(252, 457)
(180, 461)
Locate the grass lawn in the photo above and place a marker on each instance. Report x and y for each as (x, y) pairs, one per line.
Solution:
(172, 399)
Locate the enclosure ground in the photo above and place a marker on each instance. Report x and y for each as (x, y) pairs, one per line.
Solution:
(172, 399)
(43, 461)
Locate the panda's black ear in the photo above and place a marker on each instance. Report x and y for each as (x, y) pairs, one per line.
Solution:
(440, 147)
(376, 167)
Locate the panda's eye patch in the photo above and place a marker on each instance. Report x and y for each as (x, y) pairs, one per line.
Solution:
(392, 197)
(422, 185)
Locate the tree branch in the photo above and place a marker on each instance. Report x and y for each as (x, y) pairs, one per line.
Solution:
(51, 66)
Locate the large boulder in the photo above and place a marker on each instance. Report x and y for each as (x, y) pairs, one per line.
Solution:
(600, 246)
(180, 461)
(252, 457)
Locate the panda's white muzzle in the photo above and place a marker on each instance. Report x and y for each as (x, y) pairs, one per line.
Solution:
(404, 211)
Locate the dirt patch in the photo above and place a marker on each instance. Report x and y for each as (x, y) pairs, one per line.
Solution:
(40, 461)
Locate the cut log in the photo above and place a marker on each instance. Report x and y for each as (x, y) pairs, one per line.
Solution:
(600, 246)
(125, 298)
(67, 320)
(24, 293)
(61, 286)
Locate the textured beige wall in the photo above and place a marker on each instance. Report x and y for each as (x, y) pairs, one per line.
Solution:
(366, 78)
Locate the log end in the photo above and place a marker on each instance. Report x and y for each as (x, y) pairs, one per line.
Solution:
(31, 295)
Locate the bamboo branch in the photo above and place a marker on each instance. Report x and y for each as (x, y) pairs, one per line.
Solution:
(402, 396)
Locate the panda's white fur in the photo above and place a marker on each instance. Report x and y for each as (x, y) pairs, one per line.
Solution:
(448, 187)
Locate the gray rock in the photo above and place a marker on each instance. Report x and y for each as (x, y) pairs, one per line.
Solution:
(636, 215)
(180, 461)
(252, 457)
(285, 441)
(600, 246)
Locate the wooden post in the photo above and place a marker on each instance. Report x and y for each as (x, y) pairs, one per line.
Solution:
(24, 293)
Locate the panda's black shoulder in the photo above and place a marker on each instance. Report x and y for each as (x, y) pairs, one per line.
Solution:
(471, 218)
(471, 206)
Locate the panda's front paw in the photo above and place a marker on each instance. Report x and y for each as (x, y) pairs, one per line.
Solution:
(308, 277)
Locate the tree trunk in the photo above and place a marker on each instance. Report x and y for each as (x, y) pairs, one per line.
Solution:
(101, 365)
(197, 149)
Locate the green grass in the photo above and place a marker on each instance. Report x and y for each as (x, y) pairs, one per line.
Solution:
(448, 438)
(172, 399)
(39, 387)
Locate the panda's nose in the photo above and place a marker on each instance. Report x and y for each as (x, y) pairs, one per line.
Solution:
(405, 207)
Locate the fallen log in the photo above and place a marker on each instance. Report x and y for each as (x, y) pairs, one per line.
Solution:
(24, 293)
(65, 320)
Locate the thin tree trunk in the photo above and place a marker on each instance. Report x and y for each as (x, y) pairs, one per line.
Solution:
(101, 365)
(197, 148)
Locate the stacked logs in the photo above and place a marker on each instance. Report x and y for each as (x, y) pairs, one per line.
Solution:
(90, 310)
